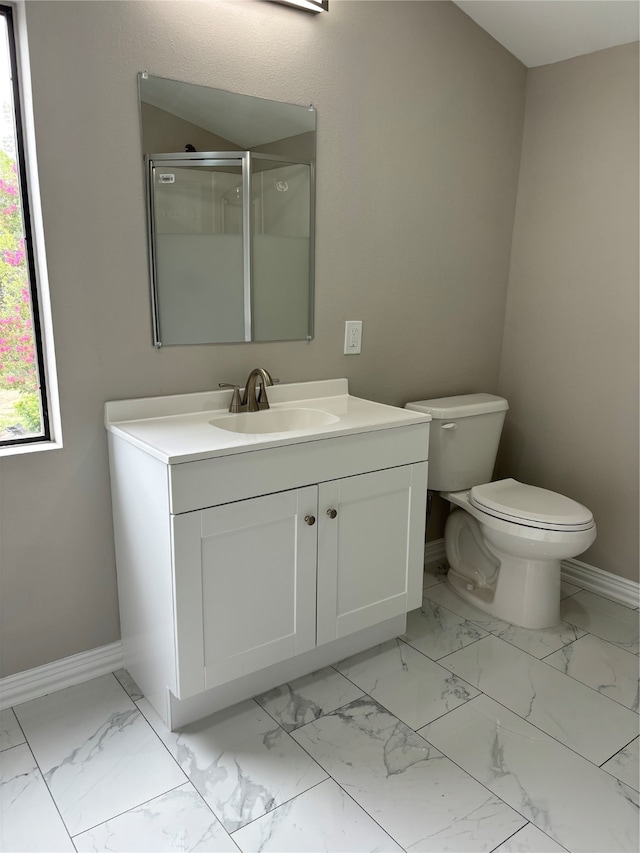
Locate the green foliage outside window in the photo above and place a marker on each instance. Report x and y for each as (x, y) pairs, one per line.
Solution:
(19, 390)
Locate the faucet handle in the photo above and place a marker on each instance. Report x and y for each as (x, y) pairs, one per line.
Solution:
(234, 408)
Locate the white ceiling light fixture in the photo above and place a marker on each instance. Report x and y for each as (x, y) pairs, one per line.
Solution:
(307, 5)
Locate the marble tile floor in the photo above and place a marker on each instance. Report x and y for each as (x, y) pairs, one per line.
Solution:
(466, 734)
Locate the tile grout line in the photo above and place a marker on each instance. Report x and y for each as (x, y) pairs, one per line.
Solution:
(126, 811)
(614, 755)
(46, 785)
(329, 776)
(568, 674)
(480, 782)
(379, 704)
(542, 659)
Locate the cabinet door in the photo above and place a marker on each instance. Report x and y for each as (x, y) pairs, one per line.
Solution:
(245, 576)
(371, 554)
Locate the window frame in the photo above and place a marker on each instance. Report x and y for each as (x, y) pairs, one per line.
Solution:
(35, 257)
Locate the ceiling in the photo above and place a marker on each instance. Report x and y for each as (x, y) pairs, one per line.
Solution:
(539, 32)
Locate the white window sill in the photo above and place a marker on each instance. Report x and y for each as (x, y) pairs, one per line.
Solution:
(36, 447)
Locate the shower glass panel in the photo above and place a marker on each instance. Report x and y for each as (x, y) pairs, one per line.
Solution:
(197, 258)
(281, 208)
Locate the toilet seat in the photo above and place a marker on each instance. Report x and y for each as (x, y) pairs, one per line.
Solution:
(518, 503)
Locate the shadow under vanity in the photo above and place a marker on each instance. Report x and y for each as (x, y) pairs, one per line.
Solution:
(246, 559)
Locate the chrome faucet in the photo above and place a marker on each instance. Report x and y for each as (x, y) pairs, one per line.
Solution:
(251, 401)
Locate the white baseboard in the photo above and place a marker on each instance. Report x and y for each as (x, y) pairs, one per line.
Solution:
(37, 682)
(434, 551)
(625, 591)
(588, 577)
(15, 689)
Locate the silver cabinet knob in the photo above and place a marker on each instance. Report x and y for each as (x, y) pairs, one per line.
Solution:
(332, 513)
(310, 520)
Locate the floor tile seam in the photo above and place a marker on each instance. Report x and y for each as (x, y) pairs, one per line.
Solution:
(360, 806)
(542, 731)
(549, 667)
(268, 712)
(476, 624)
(15, 746)
(437, 660)
(48, 790)
(22, 731)
(392, 713)
(622, 748)
(432, 746)
(380, 704)
(496, 633)
(621, 781)
(459, 615)
(630, 608)
(302, 793)
(140, 805)
(320, 716)
(209, 807)
(437, 749)
(134, 805)
(565, 646)
(563, 598)
(163, 744)
(584, 683)
(529, 823)
(600, 637)
(280, 805)
(627, 610)
(478, 781)
(120, 669)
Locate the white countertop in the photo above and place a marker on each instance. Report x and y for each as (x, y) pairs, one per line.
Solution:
(177, 428)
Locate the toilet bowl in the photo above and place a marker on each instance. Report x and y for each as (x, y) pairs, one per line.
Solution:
(504, 540)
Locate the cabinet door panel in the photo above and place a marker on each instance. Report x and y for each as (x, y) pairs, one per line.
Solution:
(257, 576)
(370, 554)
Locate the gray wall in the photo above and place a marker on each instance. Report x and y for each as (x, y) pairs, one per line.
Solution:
(570, 356)
(419, 126)
(420, 119)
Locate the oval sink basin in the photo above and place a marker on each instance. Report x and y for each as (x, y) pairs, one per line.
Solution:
(274, 420)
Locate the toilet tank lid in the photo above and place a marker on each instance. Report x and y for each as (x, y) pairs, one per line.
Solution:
(462, 406)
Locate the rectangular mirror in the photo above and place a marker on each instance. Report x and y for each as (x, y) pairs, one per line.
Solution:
(230, 191)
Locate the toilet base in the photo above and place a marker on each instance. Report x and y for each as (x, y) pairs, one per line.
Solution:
(527, 595)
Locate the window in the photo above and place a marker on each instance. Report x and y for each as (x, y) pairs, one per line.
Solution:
(24, 409)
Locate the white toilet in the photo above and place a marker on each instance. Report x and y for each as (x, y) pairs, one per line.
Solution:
(504, 540)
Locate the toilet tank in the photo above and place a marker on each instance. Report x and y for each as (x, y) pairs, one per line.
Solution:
(464, 437)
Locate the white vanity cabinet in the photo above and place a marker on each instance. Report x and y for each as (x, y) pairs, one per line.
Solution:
(261, 580)
(241, 569)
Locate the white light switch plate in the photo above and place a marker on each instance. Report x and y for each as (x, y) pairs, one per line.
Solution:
(352, 337)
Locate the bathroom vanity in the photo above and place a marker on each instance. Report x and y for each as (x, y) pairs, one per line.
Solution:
(257, 547)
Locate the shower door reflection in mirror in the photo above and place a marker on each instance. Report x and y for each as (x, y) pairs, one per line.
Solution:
(230, 245)
(197, 244)
(280, 249)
